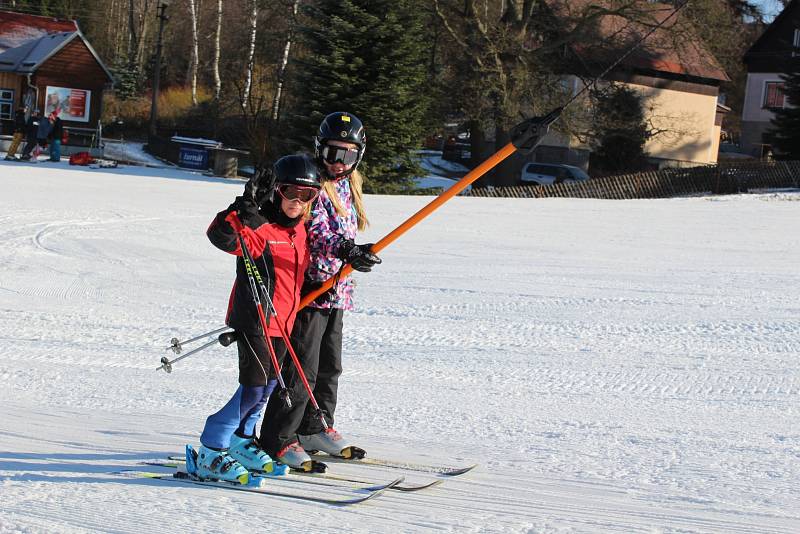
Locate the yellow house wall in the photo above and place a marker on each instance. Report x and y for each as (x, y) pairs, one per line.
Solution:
(715, 139)
(687, 120)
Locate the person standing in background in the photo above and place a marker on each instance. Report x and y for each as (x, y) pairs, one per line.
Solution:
(56, 132)
(19, 132)
(42, 133)
(31, 132)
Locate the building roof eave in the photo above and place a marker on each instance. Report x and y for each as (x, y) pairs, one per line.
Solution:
(29, 57)
(751, 52)
(96, 57)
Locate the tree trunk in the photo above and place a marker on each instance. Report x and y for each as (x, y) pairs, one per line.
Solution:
(217, 34)
(132, 37)
(194, 59)
(143, 33)
(276, 102)
(248, 82)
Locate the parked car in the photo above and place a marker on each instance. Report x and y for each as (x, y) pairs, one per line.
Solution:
(551, 173)
(435, 185)
(728, 151)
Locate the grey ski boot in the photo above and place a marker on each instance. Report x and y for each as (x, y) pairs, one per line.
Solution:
(296, 457)
(331, 442)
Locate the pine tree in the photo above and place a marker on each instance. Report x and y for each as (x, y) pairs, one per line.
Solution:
(786, 131)
(620, 131)
(127, 79)
(367, 57)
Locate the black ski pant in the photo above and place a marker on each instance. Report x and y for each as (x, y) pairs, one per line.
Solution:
(30, 144)
(317, 340)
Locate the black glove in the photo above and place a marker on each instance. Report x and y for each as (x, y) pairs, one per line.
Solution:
(246, 208)
(359, 256)
(260, 185)
(310, 286)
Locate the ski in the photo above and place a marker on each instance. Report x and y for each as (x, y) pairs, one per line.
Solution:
(174, 462)
(407, 466)
(445, 471)
(398, 487)
(185, 478)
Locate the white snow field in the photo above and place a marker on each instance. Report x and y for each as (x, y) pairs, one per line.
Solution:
(612, 366)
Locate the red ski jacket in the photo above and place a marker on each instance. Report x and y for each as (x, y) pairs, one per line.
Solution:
(281, 257)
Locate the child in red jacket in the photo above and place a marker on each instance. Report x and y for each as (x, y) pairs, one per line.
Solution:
(270, 218)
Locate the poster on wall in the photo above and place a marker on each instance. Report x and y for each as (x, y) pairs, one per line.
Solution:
(69, 104)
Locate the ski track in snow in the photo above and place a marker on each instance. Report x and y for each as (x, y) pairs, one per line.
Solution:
(612, 366)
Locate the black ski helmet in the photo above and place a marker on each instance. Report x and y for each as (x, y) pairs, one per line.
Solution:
(340, 126)
(297, 169)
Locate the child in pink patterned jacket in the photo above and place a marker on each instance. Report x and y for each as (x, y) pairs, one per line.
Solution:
(317, 335)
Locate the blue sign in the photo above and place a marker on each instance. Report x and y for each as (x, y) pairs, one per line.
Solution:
(193, 158)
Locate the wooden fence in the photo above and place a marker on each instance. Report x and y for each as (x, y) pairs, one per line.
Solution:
(724, 178)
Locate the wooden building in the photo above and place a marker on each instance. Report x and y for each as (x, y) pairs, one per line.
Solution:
(48, 64)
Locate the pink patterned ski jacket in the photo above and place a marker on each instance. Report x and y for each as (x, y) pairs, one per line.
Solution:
(326, 232)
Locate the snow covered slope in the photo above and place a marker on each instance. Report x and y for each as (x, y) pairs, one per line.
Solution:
(613, 366)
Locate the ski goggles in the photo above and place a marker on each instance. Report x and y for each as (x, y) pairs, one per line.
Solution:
(297, 192)
(337, 154)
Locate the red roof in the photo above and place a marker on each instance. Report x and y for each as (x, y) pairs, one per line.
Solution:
(18, 28)
(662, 51)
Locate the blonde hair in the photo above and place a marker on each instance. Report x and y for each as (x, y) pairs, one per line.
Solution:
(356, 183)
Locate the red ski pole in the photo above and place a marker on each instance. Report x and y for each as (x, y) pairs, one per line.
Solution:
(252, 273)
(254, 276)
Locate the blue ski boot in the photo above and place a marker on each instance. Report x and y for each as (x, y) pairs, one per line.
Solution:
(254, 458)
(191, 460)
(218, 465)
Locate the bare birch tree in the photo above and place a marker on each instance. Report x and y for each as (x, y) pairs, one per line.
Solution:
(215, 68)
(194, 57)
(251, 54)
(276, 101)
(143, 25)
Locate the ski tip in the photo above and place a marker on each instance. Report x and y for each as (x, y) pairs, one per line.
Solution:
(395, 482)
(431, 484)
(458, 471)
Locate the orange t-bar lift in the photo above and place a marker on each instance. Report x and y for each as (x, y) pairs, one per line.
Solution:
(525, 136)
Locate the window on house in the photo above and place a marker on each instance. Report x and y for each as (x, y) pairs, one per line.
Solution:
(6, 103)
(796, 42)
(773, 95)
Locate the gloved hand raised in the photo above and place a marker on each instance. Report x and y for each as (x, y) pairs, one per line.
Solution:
(260, 186)
(246, 205)
(359, 256)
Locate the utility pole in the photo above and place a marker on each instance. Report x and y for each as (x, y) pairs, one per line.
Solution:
(162, 18)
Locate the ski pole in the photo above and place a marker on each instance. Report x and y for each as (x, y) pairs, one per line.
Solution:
(223, 339)
(248, 258)
(177, 346)
(252, 274)
(524, 137)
